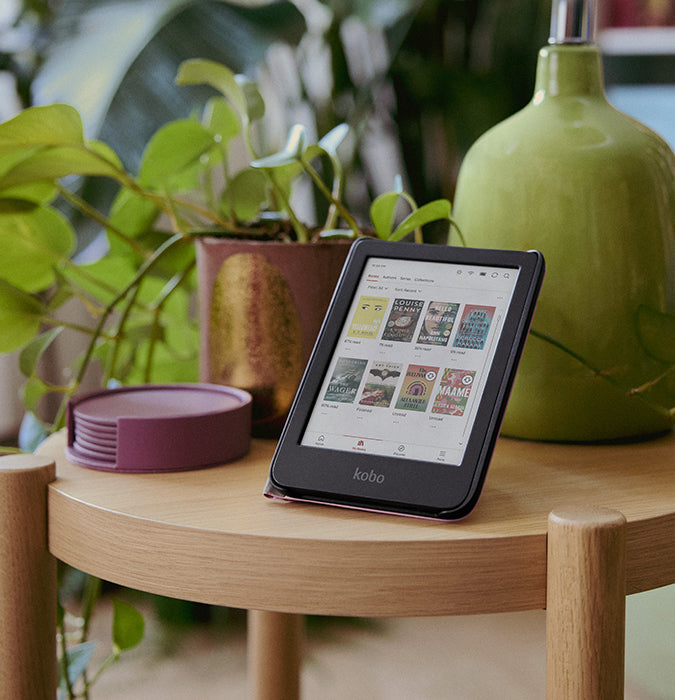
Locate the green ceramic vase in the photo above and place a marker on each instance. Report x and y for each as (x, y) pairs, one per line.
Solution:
(594, 191)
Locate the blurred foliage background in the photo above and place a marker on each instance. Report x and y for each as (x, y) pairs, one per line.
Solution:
(418, 80)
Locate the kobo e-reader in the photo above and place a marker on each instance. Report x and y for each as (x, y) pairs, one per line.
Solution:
(402, 400)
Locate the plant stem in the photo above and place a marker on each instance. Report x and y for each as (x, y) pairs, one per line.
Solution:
(55, 323)
(118, 335)
(164, 202)
(78, 271)
(248, 137)
(648, 385)
(336, 192)
(92, 592)
(413, 205)
(86, 209)
(63, 661)
(329, 196)
(453, 224)
(169, 207)
(605, 375)
(298, 226)
(109, 661)
(173, 284)
(138, 277)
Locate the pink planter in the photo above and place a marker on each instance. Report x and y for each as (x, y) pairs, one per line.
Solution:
(261, 307)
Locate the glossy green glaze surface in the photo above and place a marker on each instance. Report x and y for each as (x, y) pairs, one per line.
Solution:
(595, 192)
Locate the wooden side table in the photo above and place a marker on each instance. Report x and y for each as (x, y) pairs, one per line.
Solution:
(608, 513)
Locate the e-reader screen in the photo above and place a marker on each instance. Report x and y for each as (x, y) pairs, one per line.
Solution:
(402, 400)
(409, 367)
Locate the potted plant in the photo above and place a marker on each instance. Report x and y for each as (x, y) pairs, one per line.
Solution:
(137, 293)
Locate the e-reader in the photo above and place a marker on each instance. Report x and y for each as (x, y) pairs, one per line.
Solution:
(401, 403)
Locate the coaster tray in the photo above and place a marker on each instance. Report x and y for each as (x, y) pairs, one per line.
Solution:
(159, 427)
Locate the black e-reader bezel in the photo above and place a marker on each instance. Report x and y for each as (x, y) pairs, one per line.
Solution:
(415, 487)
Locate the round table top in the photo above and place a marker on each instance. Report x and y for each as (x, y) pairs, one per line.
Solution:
(211, 536)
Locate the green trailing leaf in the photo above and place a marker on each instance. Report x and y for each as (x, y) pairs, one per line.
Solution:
(32, 392)
(17, 198)
(437, 210)
(329, 145)
(102, 281)
(221, 120)
(255, 105)
(245, 195)
(656, 332)
(199, 71)
(9, 160)
(57, 162)
(382, 213)
(32, 244)
(131, 213)
(35, 349)
(20, 317)
(33, 193)
(332, 140)
(52, 125)
(128, 626)
(292, 152)
(173, 154)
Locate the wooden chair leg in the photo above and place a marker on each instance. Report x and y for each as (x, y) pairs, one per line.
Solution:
(27, 580)
(585, 604)
(274, 655)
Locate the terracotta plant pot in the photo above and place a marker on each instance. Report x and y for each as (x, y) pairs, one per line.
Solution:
(261, 308)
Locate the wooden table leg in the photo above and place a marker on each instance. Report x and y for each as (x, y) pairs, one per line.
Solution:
(585, 604)
(27, 580)
(274, 654)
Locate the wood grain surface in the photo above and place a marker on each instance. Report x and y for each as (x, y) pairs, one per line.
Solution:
(211, 536)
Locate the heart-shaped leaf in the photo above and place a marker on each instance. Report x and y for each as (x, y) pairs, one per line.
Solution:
(245, 195)
(32, 393)
(35, 349)
(331, 141)
(128, 626)
(32, 244)
(173, 153)
(296, 145)
(20, 317)
(51, 125)
(56, 162)
(201, 71)
(382, 212)
(221, 120)
(432, 211)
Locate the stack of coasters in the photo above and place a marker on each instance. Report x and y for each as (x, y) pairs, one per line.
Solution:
(159, 427)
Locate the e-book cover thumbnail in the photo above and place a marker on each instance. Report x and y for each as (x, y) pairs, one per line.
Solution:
(453, 391)
(437, 324)
(381, 381)
(474, 327)
(344, 383)
(417, 387)
(368, 316)
(402, 320)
